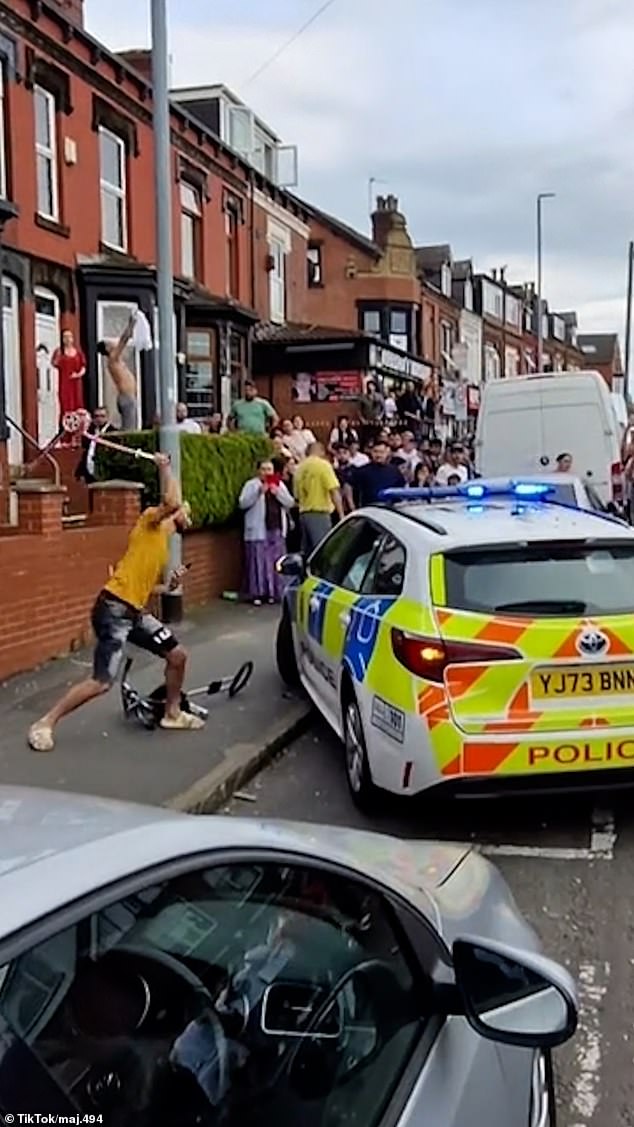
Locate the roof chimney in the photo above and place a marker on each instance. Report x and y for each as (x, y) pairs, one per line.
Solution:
(73, 10)
(494, 275)
(386, 219)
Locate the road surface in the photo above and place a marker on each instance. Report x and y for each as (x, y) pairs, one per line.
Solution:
(570, 863)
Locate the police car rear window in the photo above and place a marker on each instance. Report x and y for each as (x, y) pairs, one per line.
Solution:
(543, 579)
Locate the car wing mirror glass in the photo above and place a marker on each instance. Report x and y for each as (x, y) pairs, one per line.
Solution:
(515, 997)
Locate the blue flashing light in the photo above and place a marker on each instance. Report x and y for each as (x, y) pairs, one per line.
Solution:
(531, 489)
(473, 490)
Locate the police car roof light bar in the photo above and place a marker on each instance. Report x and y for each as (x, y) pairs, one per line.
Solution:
(529, 490)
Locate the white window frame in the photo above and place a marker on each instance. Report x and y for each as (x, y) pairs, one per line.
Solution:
(279, 243)
(47, 153)
(445, 279)
(190, 214)
(511, 362)
(127, 309)
(559, 329)
(492, 301)
(468, 295)
(120, 193)
(513, 312)
(446, 337)
(277, 282)
(492, 363)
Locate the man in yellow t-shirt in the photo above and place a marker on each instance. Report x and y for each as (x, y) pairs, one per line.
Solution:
(318, 496)
(118, 616)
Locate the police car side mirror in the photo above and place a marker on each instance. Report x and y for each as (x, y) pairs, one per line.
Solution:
(292, 566)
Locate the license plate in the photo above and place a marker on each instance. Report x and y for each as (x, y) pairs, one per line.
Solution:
(572, 681)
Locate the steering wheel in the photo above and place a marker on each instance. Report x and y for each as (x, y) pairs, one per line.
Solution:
(170, 963)
(115, 1085)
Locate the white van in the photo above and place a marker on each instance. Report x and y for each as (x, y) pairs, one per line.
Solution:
(526, 421)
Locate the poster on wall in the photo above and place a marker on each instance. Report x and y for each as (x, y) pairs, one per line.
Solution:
(326, 387)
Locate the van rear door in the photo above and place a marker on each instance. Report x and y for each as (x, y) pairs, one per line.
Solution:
(510, 432)
(575, 419)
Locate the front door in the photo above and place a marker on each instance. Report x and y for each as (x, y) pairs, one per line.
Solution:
(12, 375)
(47, 338)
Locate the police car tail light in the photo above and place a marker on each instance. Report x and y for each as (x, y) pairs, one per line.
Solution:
(429, 657)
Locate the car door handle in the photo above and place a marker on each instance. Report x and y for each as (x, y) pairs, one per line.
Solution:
(344, 618)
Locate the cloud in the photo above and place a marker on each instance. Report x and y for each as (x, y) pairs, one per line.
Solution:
(465, 108)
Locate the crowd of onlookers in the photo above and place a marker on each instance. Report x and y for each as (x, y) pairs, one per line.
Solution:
(308, 484)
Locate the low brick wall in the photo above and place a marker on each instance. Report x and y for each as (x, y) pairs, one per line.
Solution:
(51, 574)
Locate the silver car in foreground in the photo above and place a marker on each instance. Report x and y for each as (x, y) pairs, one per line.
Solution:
(162, 970)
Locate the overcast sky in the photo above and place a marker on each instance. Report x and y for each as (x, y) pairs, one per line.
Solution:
(464, 108)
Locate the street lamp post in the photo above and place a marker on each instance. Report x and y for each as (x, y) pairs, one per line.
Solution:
(169, 434)
(538, 296)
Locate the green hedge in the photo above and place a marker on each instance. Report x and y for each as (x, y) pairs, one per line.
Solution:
(213, 469)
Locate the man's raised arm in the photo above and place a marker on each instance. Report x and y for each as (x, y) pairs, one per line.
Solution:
(124, 340)
(171, 499)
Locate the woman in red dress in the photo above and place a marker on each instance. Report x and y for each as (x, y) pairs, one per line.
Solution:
(71, 367)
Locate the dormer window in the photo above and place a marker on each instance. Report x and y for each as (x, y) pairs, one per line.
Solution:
(445, 279)
(468, 295)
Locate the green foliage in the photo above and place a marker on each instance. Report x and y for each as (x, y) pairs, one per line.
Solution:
(112, 466)
(213, 470)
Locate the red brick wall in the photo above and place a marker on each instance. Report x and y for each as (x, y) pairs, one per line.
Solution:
(334, 303)
(52, 575)
(296, 276)
(216, 564)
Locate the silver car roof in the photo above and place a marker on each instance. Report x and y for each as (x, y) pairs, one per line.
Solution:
(57, 847)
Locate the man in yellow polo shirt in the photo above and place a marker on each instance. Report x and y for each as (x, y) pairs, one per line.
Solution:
(318, 496)
(119, 616)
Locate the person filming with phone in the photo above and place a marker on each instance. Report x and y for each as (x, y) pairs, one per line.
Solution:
(265, 502)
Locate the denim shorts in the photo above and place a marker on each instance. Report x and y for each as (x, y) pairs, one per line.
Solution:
(115, 623)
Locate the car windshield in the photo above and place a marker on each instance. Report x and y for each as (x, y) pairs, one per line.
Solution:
(549, 579)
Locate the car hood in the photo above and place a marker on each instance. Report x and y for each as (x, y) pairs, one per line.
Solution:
(458, 889)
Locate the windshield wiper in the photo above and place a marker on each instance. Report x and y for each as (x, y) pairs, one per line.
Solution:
(552, 606)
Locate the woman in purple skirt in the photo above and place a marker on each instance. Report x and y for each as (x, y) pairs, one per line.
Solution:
(264, 500)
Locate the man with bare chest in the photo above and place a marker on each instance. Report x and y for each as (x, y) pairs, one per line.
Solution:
(121, 376)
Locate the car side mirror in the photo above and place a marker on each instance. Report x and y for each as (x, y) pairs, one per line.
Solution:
(292, 566)
(514, 997)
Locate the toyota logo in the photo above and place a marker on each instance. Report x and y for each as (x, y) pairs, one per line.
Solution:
(592, 642)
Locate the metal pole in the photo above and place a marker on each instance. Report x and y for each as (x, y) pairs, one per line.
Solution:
(169, 434)
(538, 295)
(628, 318)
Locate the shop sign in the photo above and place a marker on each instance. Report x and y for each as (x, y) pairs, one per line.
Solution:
(397, 364)
(326, 387)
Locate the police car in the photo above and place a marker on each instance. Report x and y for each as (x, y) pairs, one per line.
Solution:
(470, 636)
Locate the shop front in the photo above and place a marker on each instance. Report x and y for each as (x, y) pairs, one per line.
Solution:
(321, 374)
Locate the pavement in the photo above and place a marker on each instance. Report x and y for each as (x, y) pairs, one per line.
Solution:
(569, 862)
(100, 752)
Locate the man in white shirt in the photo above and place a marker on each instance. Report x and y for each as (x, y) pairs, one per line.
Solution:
(410, 453)
(99, 425)
(356, 459)
(184, 423)
(453, 466)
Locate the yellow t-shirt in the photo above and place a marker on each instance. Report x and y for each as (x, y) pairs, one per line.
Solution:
(140, 569)
(313, 483)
